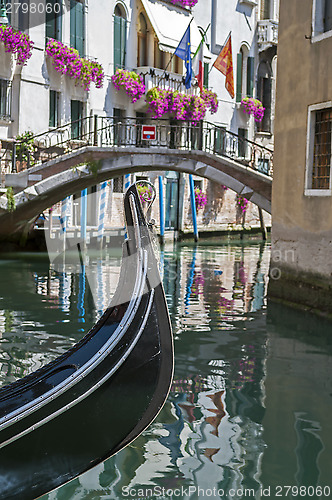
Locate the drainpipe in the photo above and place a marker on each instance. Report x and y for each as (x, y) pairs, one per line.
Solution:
(215, 48)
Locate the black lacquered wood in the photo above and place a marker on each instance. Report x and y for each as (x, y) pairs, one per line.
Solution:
(84, 406)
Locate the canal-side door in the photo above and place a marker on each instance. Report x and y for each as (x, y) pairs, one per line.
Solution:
(171, 200)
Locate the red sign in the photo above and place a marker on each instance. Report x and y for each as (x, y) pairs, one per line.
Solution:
(149, 132)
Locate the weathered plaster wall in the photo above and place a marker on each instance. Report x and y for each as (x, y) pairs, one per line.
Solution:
(302, 225)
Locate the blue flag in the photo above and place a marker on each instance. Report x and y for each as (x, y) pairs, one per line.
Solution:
(183, 51)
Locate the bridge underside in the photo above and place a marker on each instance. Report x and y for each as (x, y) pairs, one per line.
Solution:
(42, 186)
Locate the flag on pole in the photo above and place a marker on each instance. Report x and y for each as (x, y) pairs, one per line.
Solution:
(224, 63)
(198, 65)
(183, 51)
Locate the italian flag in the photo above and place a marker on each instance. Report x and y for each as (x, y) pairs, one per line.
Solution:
(198, 65)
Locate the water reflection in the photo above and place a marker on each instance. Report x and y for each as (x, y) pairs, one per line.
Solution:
(250, 402)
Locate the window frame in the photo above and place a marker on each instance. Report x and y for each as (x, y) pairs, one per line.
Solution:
(317, 25)
(120, 23)
(311, 122)
(6, 88)
(57, 108)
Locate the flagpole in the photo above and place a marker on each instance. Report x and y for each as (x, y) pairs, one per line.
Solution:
(203, 38)
(169, 62)
(229, 34)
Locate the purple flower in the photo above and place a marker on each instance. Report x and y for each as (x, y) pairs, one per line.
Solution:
(17, 43)
(131, 82)
(253, 107)
(67, 60)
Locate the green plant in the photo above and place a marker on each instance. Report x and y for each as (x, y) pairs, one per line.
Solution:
(10, 200)
(25, 147)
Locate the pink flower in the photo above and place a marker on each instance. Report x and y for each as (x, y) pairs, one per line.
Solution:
(67, 60)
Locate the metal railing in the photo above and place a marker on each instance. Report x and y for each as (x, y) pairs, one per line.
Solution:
(128, 132)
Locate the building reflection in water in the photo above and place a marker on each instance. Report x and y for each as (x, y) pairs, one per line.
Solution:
(250, 401)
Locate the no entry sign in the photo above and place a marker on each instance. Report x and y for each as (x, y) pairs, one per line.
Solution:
(149, 132)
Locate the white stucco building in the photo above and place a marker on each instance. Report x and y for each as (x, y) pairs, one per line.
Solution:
(139, 35)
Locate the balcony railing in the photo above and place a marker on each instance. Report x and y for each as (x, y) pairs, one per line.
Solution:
(267, 34)
(128, 132)
(154, 77)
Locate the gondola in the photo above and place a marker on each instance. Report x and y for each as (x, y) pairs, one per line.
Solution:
(92, 401)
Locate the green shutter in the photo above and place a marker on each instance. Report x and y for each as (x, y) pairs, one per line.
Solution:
(239, 77)
(250, 76)
(123, 41)
(77, 26)
(120, 40)
(117, 42)
(54, 20)
(52, 108)
(206, 75)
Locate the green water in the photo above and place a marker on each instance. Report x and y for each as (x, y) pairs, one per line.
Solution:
(249, 413)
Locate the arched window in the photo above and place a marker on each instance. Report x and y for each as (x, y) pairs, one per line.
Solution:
(264, 87)
(244, 74)
(142, 38)
(120, 37)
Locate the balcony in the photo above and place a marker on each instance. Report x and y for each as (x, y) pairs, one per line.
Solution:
(267, 34)
(154, 77)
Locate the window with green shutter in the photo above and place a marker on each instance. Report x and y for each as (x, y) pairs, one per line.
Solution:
(250, 76)
(77, 26)
(76, 119)
(239, 67)
(53, 19)
(206, 75)
(120, 38)
(54, 115)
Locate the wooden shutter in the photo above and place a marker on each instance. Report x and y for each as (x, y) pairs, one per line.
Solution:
(206, 75)
(77, 26)
(123, 38)
(117, 42)
(250, 76)
(54, 20)
(239, 77)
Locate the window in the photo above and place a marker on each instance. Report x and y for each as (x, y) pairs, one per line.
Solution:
(76, 119)
(54, 20)
(23, 15)
(5, 99)
(142, 35)
(318, 165)
(206, 75)
(159, 56)
(265, 11)
(77, 26)
(244, 74)
(119, 38)
(264, 94)
(54, 116)
(322, 18)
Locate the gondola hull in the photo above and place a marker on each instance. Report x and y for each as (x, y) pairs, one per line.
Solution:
(87, 405)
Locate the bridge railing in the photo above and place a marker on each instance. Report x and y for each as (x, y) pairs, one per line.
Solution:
(124, 132)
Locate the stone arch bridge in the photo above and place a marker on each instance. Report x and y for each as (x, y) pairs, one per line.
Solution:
(80, 154)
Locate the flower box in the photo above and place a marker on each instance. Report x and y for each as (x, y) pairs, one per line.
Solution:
(66, 60)
(131, 82)
(17, 43)
(253, 107)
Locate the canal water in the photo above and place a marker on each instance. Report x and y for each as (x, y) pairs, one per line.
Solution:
(249, 412)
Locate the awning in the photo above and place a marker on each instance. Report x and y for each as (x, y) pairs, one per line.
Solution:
(170, 24)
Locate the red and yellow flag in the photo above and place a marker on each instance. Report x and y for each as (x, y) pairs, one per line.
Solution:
(224, 63)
